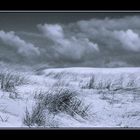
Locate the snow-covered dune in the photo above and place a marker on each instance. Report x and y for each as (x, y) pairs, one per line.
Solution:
(100, 77)
(95, 70)
(112, 93)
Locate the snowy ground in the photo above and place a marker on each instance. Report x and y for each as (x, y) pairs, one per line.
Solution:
(113, 95)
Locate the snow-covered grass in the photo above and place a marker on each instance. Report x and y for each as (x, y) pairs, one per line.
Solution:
(113, 96)
(9, 81)
(63, 100)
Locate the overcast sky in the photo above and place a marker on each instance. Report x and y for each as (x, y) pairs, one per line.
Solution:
(21, 20)
(71, 39)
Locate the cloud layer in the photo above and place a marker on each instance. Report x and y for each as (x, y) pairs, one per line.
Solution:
(111, 32)
(105, 42)
(23, 48)
(70, 47)
(129, 39)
